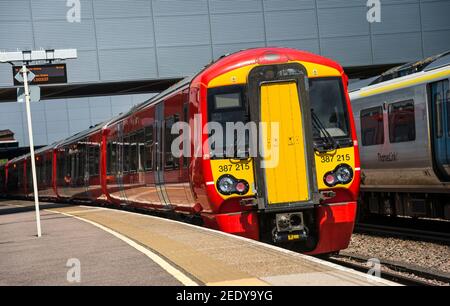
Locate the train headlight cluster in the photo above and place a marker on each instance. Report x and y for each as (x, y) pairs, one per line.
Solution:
(225, 184)
(228, 184)
(342, 174)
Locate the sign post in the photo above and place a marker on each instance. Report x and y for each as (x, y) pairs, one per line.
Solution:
(47, 74)
(31, 140)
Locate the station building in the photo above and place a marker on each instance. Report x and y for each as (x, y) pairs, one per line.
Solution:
(128, 50)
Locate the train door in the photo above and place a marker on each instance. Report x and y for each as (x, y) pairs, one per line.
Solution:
(159, 151)
(440, 106)
(121, 160)
(285, 168)
(175, 173)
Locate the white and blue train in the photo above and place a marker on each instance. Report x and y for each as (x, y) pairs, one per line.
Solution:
(403, 123)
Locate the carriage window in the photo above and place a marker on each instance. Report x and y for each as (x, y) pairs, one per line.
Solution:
(97, 159)
(186, 119)
(133, 154)
(148, 156)
(59, 168)
(372, 128)
(91, 159)
(20, 182)
(108, 157)
(447, 99)
(401, 122)
(126, 154)
(113, 167)
(81, 163)
(149, 134)
(171, 162)
(49, 170)
(438, 114)
(12, 177)
(140, 140)
(119, 157)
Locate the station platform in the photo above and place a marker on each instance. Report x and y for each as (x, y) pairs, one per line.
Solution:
(117, 247)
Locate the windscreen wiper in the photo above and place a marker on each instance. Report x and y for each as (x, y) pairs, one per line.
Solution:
(329, 143)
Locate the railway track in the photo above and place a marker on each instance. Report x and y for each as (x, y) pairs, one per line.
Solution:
(401, 273)
(432, 236)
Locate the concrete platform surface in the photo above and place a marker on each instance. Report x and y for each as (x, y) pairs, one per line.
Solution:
(120, 247)
(104, 259)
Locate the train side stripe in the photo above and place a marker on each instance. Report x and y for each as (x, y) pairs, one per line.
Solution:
(401, 84)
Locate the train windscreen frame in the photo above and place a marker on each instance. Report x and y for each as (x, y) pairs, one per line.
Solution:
(327, 93)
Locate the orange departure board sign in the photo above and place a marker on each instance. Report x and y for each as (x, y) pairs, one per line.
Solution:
(44, 74)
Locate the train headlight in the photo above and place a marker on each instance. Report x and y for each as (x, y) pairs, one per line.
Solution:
(344, 174)
(241, 187)
(228, 184)
(329, 179)
(225, 184)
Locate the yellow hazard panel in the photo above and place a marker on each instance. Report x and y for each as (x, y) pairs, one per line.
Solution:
(239, 75)
(326, 162)
(317, 70)
(236, 76)
(240, 169)
(285, 159)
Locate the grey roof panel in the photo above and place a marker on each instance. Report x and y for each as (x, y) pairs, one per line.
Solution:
(440, 62)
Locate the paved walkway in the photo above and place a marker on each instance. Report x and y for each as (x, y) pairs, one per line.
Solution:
(119, 247)
(104, 259)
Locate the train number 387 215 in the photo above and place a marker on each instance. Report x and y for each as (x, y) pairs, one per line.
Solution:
(338, 158)
(236, 167)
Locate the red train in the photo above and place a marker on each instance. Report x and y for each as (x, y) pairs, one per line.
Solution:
(299, 190)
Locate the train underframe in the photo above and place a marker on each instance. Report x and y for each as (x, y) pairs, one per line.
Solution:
(318, 230)
(405, 204)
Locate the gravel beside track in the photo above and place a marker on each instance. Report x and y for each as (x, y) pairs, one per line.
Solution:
(432, 256)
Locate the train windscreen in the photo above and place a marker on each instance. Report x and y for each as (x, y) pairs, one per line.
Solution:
(328, 104)
(227, 106)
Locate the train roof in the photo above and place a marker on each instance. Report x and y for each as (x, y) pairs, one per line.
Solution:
(256, 55)
(425, 65)
(233, 60)
(155, 99)
(442, 61)
(361, 83)
(92, 130)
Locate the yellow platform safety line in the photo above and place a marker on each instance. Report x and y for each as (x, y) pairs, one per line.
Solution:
(285, 161)
(141, 243)
(166, 266)
(241, 282)
(206, 265)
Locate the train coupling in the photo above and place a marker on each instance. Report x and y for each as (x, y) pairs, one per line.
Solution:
(289, 227)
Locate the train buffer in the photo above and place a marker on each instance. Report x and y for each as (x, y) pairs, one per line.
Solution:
(88, 245)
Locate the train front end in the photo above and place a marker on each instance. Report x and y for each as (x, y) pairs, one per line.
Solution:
(279, 159)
